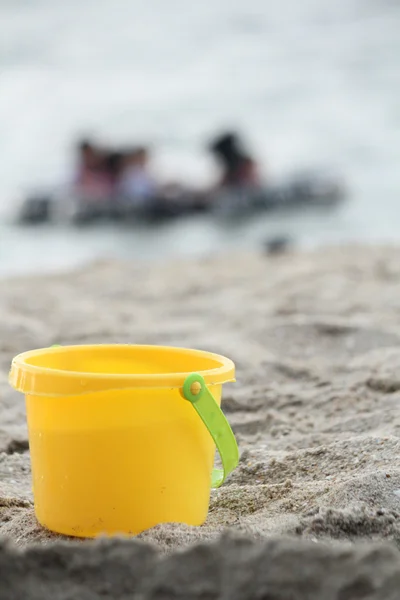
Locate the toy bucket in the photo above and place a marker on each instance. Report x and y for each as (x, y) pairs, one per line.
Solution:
(123, 438)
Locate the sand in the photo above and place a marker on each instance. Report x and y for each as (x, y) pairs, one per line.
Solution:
(315, 338)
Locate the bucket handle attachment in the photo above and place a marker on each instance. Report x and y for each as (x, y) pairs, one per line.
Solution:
(197, 393)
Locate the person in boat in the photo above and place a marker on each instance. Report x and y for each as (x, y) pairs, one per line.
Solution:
(136, 185)
(239, 169)
(114, 161)
(93, 180)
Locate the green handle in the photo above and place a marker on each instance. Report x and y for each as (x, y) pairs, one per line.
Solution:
(196, 391)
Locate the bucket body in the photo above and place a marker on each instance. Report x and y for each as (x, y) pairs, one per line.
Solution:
(121, 451)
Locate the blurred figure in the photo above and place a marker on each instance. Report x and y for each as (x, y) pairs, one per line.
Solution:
(93, 180)
(114, 164)
(136, 185)
(239, 168)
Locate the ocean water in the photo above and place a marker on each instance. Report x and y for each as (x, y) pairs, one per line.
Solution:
(311, 83)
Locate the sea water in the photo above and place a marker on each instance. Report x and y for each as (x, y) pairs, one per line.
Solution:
(312, 84)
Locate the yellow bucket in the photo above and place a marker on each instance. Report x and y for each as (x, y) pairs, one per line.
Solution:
(123, 438)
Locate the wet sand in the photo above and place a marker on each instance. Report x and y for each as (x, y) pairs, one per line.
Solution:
(315, 338)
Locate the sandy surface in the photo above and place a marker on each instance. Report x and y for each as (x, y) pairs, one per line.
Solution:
(315, 338)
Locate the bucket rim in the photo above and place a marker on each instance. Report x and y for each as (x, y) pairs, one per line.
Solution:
(38, 380)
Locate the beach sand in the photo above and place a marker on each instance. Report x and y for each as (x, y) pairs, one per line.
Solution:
(316, 342)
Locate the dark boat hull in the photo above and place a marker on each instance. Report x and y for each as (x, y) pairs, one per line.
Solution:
(227, 204)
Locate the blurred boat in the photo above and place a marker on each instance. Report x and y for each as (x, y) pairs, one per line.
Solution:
(309, 190)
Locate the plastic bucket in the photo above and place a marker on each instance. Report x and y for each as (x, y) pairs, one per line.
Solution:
(123, 438)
